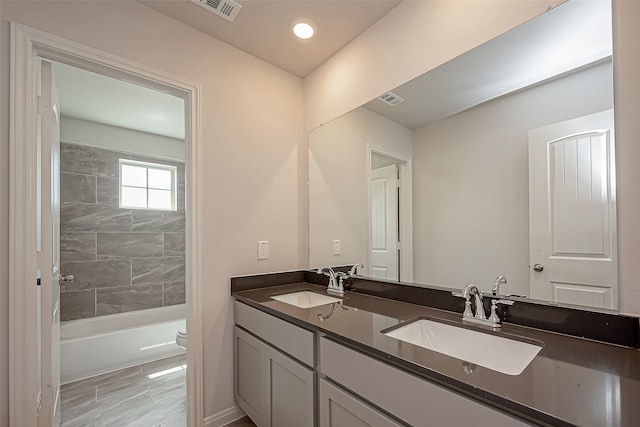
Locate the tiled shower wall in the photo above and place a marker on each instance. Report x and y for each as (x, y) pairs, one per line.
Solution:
(122, 259)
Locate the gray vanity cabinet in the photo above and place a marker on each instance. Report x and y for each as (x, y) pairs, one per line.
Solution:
(338, 408)
(272, 387)
(411, 399)
(275, 364)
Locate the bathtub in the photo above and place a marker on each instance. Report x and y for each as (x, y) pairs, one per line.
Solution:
(103, 344)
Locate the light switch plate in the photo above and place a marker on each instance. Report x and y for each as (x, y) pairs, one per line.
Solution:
(336, 247)
(263, 249)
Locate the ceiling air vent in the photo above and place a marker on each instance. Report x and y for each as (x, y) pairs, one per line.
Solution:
(228, 9)
(391, 99)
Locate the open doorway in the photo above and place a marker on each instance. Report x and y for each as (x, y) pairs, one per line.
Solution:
(34, 333)
(390, 242)
(121, 238)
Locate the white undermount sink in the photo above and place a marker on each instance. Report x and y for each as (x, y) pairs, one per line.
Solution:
(504, 355)
(306, 299)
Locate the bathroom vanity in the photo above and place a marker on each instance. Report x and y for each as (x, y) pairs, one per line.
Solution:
(331, 364)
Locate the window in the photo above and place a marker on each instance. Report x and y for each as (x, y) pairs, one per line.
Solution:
(147, 186)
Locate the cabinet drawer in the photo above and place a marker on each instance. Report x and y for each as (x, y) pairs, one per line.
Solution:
(410, 398)
(289, 338)
(339, 409)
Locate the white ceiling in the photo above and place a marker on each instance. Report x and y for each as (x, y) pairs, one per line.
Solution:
(263, 27)
(572, 35)
(97, 98)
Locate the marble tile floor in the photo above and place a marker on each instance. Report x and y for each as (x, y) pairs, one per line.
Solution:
(128, 398)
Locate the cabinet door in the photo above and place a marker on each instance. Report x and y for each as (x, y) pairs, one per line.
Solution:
(250, 384)
(291, 392)
(272, 389)
(339, 409)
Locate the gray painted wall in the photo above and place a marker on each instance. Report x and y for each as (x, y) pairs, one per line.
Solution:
(122, 259)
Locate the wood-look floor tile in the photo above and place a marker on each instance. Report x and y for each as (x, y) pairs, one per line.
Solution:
(162, 364)
(127, 398)
(126, 412)
(178, 422)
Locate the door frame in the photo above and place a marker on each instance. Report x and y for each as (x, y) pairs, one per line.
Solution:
(28, 44)
(406, 210)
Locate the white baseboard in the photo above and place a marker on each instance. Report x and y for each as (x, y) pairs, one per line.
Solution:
(224, 417)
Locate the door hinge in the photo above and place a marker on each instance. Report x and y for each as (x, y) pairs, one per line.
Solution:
(44, 106)
(398, 245)
(38, 282)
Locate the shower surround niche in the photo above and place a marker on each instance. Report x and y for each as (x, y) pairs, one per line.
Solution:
(122, 259)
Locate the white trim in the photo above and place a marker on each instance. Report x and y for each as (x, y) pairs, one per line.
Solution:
(26, 45)
(406, 210)
(224, 417)
(23, 392)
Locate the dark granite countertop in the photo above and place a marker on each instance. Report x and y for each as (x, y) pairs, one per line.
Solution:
(571, 381)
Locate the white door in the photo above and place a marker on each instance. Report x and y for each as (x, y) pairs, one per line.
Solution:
(573, 253)
(384, 223)
(49, 248)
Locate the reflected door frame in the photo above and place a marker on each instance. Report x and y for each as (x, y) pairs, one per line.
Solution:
(406, 211)
(27, 45)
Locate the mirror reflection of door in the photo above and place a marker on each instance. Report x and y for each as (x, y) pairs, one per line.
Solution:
(384, 223)
(573, 256)
(385, 217)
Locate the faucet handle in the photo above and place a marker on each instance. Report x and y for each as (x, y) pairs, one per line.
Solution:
(494, 306)
(341, 276)
(502, 301)
(467, 303)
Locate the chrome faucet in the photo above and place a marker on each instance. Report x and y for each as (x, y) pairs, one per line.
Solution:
(500, 280)
(354, 269)
(334, 287)
(479, 317)
(469, 291)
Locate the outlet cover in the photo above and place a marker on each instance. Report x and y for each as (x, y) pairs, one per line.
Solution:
(263, 249)
(336, 247)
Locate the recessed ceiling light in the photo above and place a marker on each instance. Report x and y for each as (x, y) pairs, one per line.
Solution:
(304, 28)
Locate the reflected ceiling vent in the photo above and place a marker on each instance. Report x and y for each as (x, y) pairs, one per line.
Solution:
(228, 9)
(391, 99)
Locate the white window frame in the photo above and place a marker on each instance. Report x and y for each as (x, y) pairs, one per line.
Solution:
(148, 166)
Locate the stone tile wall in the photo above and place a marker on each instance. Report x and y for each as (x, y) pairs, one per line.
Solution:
(122, 259)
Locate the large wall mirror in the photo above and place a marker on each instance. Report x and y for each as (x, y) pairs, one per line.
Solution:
(497, 163)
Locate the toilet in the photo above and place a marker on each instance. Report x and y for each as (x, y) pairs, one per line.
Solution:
(181, 336)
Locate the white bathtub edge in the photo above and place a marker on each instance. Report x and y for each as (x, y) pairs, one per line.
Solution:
(84, 357)
(83, 376)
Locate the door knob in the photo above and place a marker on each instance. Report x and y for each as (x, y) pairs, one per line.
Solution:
(68, 278)
(538, 267)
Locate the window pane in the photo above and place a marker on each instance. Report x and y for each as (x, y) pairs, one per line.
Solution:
(160, 178)
(133, 197)
(135, 176)
(160, 199)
